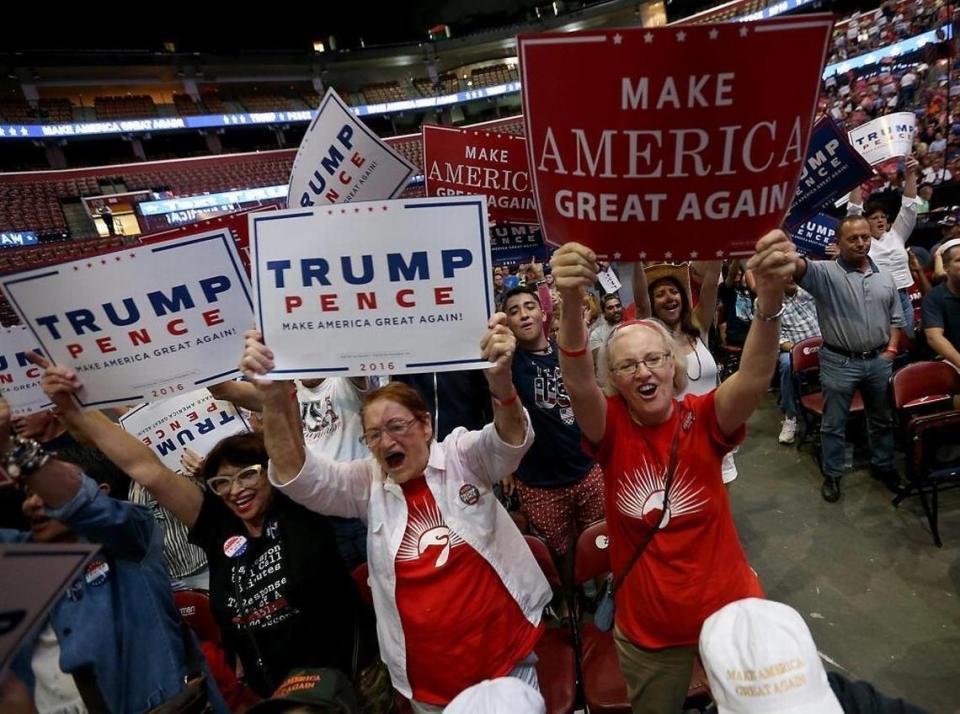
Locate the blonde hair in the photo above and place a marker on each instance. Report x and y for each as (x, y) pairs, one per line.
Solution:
(670, 345)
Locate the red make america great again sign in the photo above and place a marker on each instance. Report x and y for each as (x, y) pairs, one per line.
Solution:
(470, 162)
(671, 143)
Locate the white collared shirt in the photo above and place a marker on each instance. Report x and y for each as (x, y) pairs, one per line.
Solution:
(463, 465)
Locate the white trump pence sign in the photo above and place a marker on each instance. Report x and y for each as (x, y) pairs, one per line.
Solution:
(20, 378)
(341, 161)
(141, 324)
(194, 420)
(885, 138)
(373, 288)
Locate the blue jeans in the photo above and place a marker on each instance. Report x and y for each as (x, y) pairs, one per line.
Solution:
(907, 311)
(840, 377)
(788, 397)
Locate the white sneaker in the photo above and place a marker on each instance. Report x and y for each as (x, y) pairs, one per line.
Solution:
(788, 432)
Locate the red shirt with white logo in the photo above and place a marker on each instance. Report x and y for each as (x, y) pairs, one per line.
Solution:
(695, 564)
(460, 623)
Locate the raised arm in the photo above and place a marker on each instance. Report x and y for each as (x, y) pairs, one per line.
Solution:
(575, 270)
(641, 292)
(175, 493)
(282, 428)
(241, 394)
(320, 484)
(75, 499)
(706, 309)
(497, 346)
(906, 219)
(737, 397)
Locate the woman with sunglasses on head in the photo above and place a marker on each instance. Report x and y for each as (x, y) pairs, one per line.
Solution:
(673, 564)
(663, 291)
(457, 592)
(278, 589)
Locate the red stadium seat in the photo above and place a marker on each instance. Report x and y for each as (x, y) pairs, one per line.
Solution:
(194, 607)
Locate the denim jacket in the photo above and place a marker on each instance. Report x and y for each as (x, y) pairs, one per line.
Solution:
(118, 618)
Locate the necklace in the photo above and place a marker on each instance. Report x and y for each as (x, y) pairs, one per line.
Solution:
(696, 353)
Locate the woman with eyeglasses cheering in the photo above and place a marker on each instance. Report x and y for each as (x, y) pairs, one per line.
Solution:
(457, 592)
(674, 549)
(278, 588)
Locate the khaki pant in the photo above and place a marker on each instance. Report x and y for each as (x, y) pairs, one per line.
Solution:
(657, 680)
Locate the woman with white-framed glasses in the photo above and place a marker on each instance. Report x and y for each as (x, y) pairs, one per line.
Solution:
(457, 592)
(278, 589)
(674, 550)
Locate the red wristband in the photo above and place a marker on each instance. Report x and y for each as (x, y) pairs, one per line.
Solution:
(574, 353)
(506, 402)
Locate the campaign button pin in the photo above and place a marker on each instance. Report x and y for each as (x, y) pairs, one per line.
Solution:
(469, 494)
(96, 572)
(235, 546)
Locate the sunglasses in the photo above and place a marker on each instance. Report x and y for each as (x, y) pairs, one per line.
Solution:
(246, 478)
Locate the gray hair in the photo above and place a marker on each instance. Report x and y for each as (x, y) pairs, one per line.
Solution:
(670, 345)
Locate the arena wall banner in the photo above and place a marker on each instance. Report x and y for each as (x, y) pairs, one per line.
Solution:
(832, 167)
(19, 378)
(380, 287)
(341, 160)
(195, 420)
(142, 324)
(458, 162)
(672, 142)
(814, 235)
(885, 138)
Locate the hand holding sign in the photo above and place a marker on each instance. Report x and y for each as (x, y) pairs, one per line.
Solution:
(59, 384)
(773, 263)
(574, 268)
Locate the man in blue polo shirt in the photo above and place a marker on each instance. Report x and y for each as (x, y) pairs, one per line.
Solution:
(858, 308)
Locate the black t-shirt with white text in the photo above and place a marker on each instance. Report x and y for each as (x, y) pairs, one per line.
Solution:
(555, 457)
(283, 600)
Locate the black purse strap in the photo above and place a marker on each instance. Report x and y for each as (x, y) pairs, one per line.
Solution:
(668, 482)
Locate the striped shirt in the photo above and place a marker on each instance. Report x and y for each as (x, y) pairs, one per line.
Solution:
(182, 557)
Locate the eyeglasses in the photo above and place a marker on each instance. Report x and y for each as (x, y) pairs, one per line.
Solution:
(394, 427)
(248, 477)
(651, 362)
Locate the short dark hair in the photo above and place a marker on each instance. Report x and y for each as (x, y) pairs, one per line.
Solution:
(847, 220)
(237, 450)
(520, 290)
(875, 207)
(610, 296)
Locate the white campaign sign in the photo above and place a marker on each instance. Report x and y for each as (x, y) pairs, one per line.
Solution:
(20, 379)
(195, 420)
(885, 138)
(140, 324)
(341, 160)
(375, 288)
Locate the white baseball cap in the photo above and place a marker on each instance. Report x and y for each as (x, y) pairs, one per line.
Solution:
(760, 658)
(947, 245)
(504, 695)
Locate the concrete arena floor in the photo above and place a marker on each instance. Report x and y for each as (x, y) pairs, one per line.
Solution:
(882, 601)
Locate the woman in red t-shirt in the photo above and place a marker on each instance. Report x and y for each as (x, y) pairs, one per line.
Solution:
(694, 564)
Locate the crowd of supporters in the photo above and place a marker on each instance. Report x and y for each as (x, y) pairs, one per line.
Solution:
(362, 548)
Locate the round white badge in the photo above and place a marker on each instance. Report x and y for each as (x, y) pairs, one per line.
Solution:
(235, 546)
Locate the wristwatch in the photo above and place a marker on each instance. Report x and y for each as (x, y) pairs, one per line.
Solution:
(24, 457)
